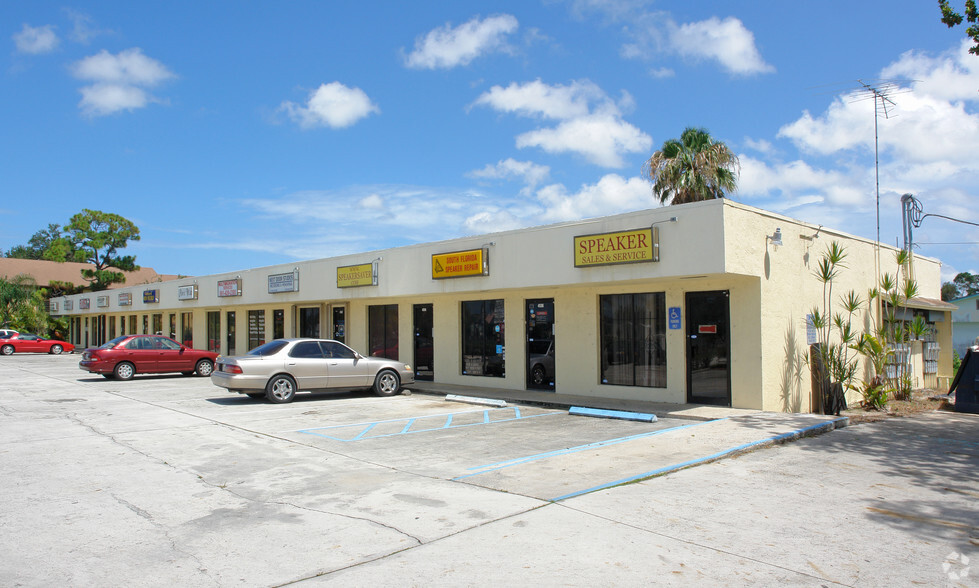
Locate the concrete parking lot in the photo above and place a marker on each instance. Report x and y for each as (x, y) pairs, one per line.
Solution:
(169, 480)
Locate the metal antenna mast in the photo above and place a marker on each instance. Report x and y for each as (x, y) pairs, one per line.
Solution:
(880, 92)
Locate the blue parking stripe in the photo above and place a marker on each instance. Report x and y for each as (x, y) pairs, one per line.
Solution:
(678, 466)
(522, 460)
(490, 416)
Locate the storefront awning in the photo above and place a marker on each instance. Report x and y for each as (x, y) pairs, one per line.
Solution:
(929, 304)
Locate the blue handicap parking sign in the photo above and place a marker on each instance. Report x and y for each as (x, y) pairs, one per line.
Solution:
(674, 317)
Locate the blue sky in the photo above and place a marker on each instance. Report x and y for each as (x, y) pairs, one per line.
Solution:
(244, 134)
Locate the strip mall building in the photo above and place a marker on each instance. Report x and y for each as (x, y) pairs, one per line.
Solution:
(701, 303)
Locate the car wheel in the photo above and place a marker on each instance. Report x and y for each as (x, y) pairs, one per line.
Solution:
(280, 389)
(255, 395)
(7, 350)
(204, 368)
(57, 349)
(124, 371)
(538, 375)
(387, 383)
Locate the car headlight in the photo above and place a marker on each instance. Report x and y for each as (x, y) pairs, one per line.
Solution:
(407, 368)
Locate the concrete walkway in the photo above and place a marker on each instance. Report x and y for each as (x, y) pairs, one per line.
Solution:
(698, 412)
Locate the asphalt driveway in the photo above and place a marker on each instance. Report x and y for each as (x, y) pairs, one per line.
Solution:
(168, 480)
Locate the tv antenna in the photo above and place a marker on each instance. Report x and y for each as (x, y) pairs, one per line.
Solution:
(880, 91)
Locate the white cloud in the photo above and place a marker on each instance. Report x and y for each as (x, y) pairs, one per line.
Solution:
(333, 105)
(373, 201)
(327, 222)
(539, 99)
(129, 67)
(103, 99)
(84, 29)
(612, 194)
(492, 221)
(797, 182)
(36, 40)
(447, 47)
(600, 138)
(591, 123)
(528, 172)
(931, 122)
(726, 41)
(118, 81)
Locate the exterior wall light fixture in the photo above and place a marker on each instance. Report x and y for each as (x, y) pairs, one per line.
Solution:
(775, 238)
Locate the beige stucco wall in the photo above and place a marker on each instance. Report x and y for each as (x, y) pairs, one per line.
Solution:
(715, 245)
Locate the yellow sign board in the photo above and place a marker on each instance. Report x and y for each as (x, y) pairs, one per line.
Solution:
(459, 264)
(355, 275)
(610, 248)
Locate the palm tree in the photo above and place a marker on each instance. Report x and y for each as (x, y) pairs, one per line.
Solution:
(693, 168)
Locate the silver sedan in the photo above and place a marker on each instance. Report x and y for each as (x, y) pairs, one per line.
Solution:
(280, 368)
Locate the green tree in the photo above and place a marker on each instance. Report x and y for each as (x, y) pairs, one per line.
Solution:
(953, 19)
(95, 237)
(949, 291)
(38, 245)
(695, 167)
(967, 283)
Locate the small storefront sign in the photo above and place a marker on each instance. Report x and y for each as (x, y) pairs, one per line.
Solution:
(284, 282)
(70, 304)
(187, 292)
(102, 301)
(613, 248)
(460, 264)
(229, 288)
(151, 296)
(125, 299)
(84, 304)
(54, 307)
(709, 329)
(350, 276)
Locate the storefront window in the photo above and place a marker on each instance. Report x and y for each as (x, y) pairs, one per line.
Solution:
(172, 333)
(157, 324)
(382, 328)
(256, 328)
(187, 328)
(633, 330)
(112, 327)
(146, 324)
(483, 353)
(214, 331)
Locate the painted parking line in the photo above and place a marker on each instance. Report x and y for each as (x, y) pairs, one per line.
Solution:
(826, 425)
(485, 469)
(422, 424)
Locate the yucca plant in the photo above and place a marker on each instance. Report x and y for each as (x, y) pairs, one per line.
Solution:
(836, 366)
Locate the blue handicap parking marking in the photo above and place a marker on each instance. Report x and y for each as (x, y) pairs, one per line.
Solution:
(422, 424)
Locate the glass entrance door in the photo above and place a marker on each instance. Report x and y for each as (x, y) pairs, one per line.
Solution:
(423, 319)
(540, 344)
(340, 323)
(708, 348)
(309, 322)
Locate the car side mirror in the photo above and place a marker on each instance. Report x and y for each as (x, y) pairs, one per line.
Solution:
(358, 356)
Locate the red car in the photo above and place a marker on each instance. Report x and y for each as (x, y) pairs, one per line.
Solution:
(27, 343)
(124, 357)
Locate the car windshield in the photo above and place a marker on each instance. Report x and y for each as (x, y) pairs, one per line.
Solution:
(270, 348)
(113, 343)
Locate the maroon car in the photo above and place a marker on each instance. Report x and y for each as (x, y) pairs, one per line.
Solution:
(27, 343)
(126, 356)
